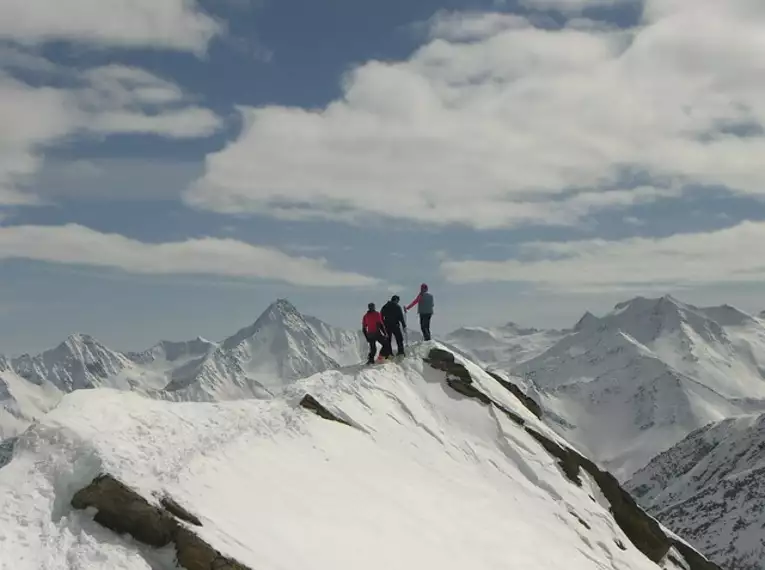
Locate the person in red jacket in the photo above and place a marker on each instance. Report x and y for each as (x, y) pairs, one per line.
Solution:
(373, 327)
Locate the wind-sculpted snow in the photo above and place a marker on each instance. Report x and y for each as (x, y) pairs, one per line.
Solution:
(416, 473)
(710, 488)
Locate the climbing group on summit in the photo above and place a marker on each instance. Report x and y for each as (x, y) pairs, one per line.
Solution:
(381, 327)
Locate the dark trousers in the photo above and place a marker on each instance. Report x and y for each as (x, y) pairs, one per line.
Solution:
(425, 325)
(383, 340)
(395, 331)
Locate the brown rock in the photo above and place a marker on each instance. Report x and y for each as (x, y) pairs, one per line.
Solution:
(310, 403)
(124, 511)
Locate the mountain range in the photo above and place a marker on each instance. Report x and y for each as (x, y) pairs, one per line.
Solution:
(627, 386)
(636, 390)
(669, 397)
(423, 462)
(281, 346)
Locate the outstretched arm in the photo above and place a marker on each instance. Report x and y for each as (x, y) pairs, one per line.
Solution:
(413, 303)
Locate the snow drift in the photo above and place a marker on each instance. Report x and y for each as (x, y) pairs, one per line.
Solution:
(430, 463)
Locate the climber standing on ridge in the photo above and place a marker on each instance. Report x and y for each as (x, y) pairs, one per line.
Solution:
(425, 304)
(393, 317)
(374, 330)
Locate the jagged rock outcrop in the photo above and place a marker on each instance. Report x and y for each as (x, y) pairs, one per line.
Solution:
(310, 403)
(530, 404)
(124, 511)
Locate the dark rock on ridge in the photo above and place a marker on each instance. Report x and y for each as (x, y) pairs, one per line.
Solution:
(642, 530)
(121, 509)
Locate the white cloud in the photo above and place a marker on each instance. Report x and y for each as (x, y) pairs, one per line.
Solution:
(75, 244)
(101, 101)
(487, 131)
(569, 6)
(732, 255)
(461, 26)
(167, 24)
(121, 99)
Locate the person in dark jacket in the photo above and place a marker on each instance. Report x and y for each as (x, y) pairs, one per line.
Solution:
(425, 304)
(393, 317)
(373, 327)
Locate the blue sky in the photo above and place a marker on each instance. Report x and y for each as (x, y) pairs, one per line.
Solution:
(170, 172)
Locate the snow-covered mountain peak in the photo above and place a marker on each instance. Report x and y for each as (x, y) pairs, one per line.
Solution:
(397, 458)
(515, 328)
(633, 382)
(665, 310)
(280, 317)
(587, 322)
(80, 343)
(173, 351)
(80, 361)
(648, 320)
(281, 346)
(643, 304)
(281, 311)
(729, 316)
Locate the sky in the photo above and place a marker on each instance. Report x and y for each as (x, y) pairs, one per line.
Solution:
(168, 169)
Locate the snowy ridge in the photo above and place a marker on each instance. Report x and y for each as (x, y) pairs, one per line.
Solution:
(710, 488)
(629, 385)
(169, 354)
(280, 347)
(416, 469)
(79, 362)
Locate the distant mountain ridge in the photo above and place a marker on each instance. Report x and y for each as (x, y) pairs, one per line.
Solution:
(710, 488)
(504, 346)
(627, 389)
(281, 346)
(630, 384)
(624, 386)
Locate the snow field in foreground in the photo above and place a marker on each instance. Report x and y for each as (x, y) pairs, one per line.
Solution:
(426, 478)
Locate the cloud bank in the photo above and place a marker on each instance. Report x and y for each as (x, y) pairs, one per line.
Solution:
(76, 244)
(107, 100)
(731, 255)
(496, 122)
(166, 24)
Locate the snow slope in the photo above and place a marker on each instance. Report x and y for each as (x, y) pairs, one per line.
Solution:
(631, 384)
(414, 475)
(502, 347)
(280, 347)
(21, 402)
(710, 488)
